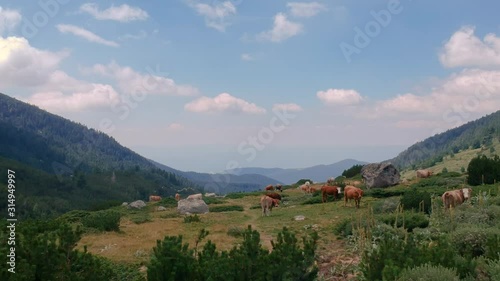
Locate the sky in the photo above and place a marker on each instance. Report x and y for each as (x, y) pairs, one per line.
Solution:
(214, 85)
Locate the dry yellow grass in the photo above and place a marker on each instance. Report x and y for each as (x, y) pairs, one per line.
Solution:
(134, 243)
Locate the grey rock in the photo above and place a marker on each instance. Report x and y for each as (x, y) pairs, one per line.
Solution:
(139, 204)
(380, 175)
(186, 206)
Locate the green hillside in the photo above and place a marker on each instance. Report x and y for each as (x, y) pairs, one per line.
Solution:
(481, 133)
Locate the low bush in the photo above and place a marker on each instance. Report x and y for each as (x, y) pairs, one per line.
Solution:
(474, 241)
(228, 208)
(191, 218)
(313, 200)
(103, 220)
(235, 231)
(416, 200)
(213, 200)
(73, 216)
(168, 202)
(408, 220)
(384, 193)
(388, 205)
(429, 273)
(140, 218)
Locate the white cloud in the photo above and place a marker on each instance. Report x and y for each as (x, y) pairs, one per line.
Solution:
(339, 97)
(466, 49)
(406, 103)
(23, 65)
(175, 126)
(247, 57)
(122, 13)
(223, 103)
(98, 97)
(282, 29)
(216, 16)
(130, 81)
(85, 34)
(289, 107)
(141, 35)
(305, 10)
(9, 19)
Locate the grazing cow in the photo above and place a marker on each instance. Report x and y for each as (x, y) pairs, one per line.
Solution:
(453, 198)
(312, 189)
(279, 187)
(330, 181)
(329, 190)
(177, 197)
(352, 192)
(274, 195)
(267, 203)
(305, 188)
(269, 187)
(423, 174)
(197, 196)
(467, 193)
(210, 195)
(153, 198)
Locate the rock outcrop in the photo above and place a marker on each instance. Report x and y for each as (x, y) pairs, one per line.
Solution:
(380, 175)
(192, 206)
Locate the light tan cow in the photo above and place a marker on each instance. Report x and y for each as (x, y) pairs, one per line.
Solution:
(177, 197)
(453, 198)
(154, 198)
(197, 196)
(267, 203)
(424, 174)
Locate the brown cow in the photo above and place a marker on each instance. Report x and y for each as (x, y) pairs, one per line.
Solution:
(424, 174)
(153, 198)
(352, 192)
(329, 190)
(312, 189)
(467, 193)
(269, 187)
(453, 198)
(267, 203)
(177, 197)
(274, 195)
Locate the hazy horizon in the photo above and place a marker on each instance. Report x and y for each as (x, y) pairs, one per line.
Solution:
(200, 85)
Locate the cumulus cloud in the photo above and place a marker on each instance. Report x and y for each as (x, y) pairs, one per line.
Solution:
(406, 103)
(23, 65)
(216, 15)
(130, 81)
(282, 29)
(98, 97)
(175, 126)
(289, 107)
(466, 49)
(339, 97)
(223, 103)
(122, 13)
(247, 57)
(9, 19)
(85, 34)
(304, 9)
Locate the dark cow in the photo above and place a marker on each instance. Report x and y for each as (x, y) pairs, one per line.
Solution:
(274, 195)
(329, 190)
(279, 187)
(269, 187)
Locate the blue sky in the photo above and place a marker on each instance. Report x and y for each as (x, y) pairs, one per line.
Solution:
(206, 85)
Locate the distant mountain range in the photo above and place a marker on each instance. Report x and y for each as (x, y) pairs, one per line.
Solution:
(318, 173)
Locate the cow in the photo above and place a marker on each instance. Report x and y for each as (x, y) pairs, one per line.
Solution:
(197, 196)
(312, 189)
(267, 203)
(154, 198)
(467, 193)
(352, 192)
(453, 198)
(424, 174)
(329, 190)
(177, 197)
(269, 187)
(330, 181)
(274, 195)
(305, 188)
(210, 194)
(279, 187)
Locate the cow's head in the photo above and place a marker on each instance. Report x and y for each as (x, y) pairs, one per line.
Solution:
(275, 203)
